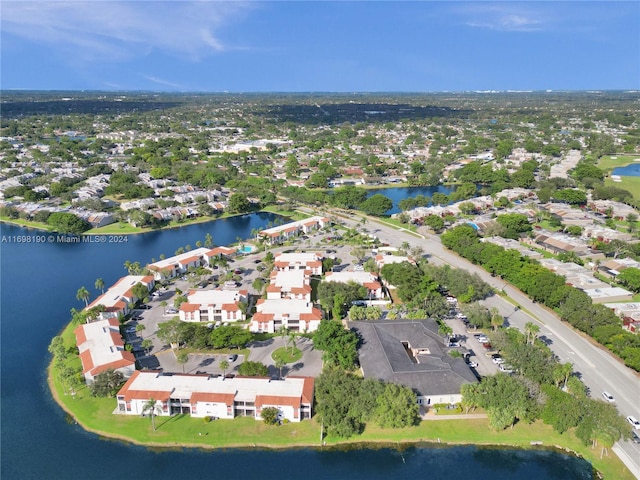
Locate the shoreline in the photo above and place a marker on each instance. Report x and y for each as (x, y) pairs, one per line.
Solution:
(345, 445)
(91, 232)
(341, 445)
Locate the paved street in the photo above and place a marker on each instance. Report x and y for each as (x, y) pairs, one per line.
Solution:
(598, 368)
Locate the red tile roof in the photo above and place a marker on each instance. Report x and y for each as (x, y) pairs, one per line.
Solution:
(87, 361)
(226, 398)
(81, 337)
(277, 400)
(127, 361)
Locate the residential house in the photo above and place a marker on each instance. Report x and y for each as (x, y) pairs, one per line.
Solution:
(214, 306)
(216, 396)
(290, 285)
(101, 348)
(367, 279)
(299, 261)
(117, 299)
(295, 315)
(282, 233)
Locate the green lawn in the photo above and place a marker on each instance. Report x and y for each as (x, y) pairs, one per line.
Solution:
(609, 162)
(287, 355)
(24, 223)
(632, 184)
(96, 415)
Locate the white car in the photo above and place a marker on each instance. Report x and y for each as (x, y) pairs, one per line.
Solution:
(608, 397)
(634, 421)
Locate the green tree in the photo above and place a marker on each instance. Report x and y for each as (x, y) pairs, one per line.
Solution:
(182, 358)
(239, 203)
(396, 407)
(153, 408)
(497, 320)
(630, 277)
(269, 415)
(376, 205)
(531, 331)
(253, 369)
(171, 332)
(224, 365)
(336, 392)
(107, 384)
(83, 294)
(99, 285)
(279, 364)
(337, 343)
(64, 222)
(147, 345)
(140, 328)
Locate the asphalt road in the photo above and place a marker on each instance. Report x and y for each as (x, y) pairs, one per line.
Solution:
(599, 369)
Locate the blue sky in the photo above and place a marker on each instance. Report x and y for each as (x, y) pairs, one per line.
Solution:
(319, 46)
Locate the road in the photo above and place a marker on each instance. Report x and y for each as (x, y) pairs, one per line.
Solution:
(598, 368)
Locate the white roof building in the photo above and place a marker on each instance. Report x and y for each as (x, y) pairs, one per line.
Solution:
(118, 297)
(213, 306)
(219, 397)
(366, 279)
(101, 348)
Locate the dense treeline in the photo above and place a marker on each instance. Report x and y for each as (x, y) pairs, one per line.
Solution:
(572, 305)
(543, 389)
(346, 403)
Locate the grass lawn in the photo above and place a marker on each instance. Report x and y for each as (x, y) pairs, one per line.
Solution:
(286, 355)
(396, 223)
(24, 223)
(477, 431)
(609, 162)
(632, 184)
(96, 415)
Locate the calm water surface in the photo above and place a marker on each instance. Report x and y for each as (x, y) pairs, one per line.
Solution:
(632, 170)
(398, 193)
(38, 283)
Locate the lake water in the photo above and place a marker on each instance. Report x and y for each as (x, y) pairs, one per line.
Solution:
(632, 170)
(398, 193)
(38, 283)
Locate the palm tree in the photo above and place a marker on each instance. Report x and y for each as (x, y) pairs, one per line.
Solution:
(531, 330)
(100, 285)
(292, 341)
(163, 303)
(182, 358)
(154, 409)
(147, 345)
(283, 334)
(208, 240)
(279, 364)
(224, 365)
(83, 294)
(139, 328)
(497, 320)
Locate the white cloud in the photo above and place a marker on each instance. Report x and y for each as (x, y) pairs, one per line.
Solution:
(115, 30)
(162, 82)
(511, 17)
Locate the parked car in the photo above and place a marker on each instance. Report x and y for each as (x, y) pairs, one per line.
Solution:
(634, 422)
(608, 397)
(171, 310)
(232, 358)
(497, 359)
(506, 368)
(635, 438)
